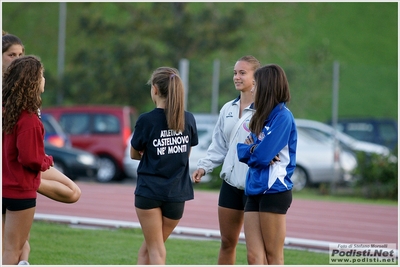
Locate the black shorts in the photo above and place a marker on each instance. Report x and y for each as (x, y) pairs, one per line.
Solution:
(18, 204)
(171, 210)
(231, 197)
(275, 203)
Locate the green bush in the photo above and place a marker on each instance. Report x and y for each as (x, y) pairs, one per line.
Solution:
(377, 176)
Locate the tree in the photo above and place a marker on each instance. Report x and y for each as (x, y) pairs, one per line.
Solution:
(120, 52)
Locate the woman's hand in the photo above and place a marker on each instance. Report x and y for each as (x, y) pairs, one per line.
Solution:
(249, 140)
(275, 159)
(197, 174)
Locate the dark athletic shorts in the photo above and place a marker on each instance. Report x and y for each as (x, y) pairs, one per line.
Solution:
(18, 204)
(275, 203)
(231, 197)
(171, 210)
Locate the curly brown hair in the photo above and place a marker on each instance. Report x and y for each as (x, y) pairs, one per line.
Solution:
(21, 90)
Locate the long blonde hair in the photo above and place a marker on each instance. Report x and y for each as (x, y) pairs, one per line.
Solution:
(170, 86)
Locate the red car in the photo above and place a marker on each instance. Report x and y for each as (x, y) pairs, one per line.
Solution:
(101, 130)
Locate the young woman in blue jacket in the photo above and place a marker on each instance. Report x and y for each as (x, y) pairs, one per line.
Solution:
(268, 186)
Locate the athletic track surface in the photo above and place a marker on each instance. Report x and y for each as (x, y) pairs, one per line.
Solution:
(309, 223)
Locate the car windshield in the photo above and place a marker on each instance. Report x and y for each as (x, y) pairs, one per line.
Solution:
(365, 131)
(51, 126)
(388, 131)
(314, 134)
(48, 127)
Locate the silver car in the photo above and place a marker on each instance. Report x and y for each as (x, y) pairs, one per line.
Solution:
(204, 131)
(130, 165)
(316, 159)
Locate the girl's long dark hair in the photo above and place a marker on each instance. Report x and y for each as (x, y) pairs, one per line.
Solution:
(170, 86)
(21, 90)
(8, 40)
(272, 88)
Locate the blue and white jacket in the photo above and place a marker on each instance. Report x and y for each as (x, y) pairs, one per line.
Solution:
(279, 136)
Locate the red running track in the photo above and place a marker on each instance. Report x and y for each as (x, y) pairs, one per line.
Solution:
(306, 219)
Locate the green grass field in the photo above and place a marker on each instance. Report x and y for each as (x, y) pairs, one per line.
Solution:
(60, 244)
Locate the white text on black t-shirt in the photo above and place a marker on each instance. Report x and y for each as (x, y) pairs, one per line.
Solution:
(171, 142)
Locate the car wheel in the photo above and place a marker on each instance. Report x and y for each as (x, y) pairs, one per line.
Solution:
(299, 178)
(107, 170)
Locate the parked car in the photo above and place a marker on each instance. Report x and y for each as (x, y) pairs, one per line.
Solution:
(205, 123)
(54, 134)
(317, 129)
(205, 118)
(315, 159)
(73, 162)
(315, 153)
(204, 133)
(379, 131)
(101, 130)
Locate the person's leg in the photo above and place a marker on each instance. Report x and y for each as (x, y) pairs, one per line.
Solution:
(26, 250)
(151, 224)
(273, 227)
(17, 225)
(156, 229)
(230, 225)
(168, 226)
(254, 239)
(143, 255)
(55, 185)
(230, 217)
(273, 209)
(3, 219)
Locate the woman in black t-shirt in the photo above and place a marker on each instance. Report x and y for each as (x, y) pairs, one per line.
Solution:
(162, 141)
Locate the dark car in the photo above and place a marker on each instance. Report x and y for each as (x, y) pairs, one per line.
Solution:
(53, 132)
(73, 162)
(379, 131)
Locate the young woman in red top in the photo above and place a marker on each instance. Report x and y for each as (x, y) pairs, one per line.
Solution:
(53, 184)
(23, 155)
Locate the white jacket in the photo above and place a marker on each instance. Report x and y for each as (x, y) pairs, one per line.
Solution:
(222, 150)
